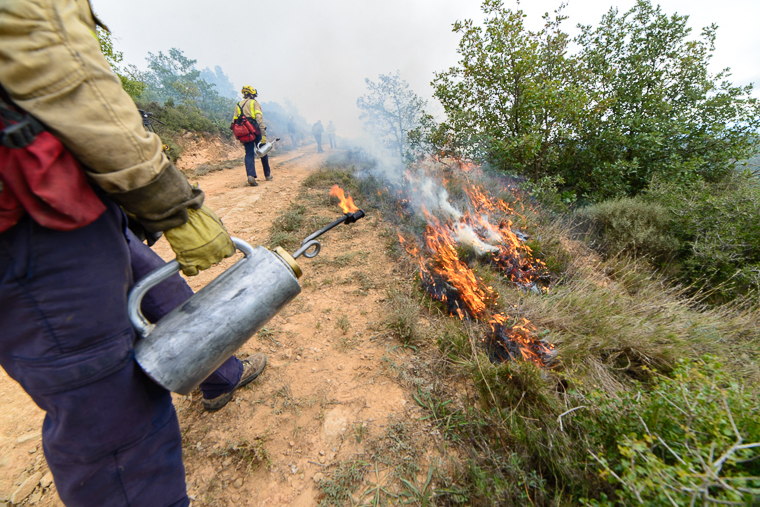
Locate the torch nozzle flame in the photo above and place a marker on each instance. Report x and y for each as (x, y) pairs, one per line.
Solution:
(346, 201)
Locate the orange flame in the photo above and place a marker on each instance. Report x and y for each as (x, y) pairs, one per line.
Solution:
(346, 201)
(439, 261)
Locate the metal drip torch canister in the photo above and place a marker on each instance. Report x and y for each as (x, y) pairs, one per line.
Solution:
(194, 339)
(190, 342)
(261, 149)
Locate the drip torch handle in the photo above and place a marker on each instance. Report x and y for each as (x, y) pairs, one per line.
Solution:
(136, 317)
(310, 240)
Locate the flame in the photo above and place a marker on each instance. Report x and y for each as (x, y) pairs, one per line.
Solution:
(346, 201)
(449, 279)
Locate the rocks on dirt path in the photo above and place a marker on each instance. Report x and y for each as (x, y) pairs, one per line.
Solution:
(26, 488)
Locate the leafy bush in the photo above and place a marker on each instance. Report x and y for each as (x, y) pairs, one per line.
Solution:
(693, 439)
(633, 225)
(718, 228)
(179, 118)
(704, 235)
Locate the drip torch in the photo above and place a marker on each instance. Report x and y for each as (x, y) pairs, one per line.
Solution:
(194, 339)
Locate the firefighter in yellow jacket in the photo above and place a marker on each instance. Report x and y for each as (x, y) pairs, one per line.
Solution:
(110, 434)
(250, 108)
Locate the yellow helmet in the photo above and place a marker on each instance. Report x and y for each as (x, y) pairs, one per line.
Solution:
(249, 90)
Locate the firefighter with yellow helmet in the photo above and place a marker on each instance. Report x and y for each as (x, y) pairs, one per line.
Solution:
(250, 108)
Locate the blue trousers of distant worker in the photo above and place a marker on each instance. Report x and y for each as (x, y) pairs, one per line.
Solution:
(110, 434)
(333, 144)
(318, 139)
(250, 160)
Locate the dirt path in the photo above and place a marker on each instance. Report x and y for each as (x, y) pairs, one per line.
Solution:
(325, 391)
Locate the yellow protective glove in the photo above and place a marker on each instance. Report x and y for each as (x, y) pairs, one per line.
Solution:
(200, 242)
(263, 139)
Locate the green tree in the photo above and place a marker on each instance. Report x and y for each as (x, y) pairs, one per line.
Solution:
(174, 76)
(515, 96)
(635, 102)
(130, 79)
(391, 110)
(657, 110)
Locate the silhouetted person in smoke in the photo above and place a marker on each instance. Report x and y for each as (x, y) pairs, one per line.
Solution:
(317, 130)
(292, 132)
(331, 134)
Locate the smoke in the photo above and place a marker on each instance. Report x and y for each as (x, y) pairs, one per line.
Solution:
(420, 182)
(465, 235)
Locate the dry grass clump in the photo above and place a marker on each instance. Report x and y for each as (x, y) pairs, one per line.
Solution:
(613, 320)
(401, 319)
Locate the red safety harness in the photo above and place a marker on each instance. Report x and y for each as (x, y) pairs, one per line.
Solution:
(39, 176)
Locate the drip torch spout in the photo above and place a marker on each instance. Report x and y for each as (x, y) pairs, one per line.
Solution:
(311, 240)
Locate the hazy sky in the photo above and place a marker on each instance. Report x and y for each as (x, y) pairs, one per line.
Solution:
(317, 54)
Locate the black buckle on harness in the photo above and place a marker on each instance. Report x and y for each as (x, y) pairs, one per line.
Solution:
(21, 134)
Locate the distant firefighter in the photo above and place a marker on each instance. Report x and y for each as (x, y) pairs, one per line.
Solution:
(250, 109)
(317, 130)
(331, 134)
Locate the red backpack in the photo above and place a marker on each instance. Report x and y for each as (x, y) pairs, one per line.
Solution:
(245, 130)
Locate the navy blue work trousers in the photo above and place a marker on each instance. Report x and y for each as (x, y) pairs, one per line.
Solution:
(250, 160)
(110, 434)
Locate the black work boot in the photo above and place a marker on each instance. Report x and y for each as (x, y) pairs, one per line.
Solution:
(252, 181)
(252, 368)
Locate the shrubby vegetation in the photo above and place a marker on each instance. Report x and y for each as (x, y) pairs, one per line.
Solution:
(705, 235)
(631, 124)
(686, 440)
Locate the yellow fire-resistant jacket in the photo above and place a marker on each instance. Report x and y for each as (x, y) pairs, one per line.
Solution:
(252, 109)
(51, 66)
